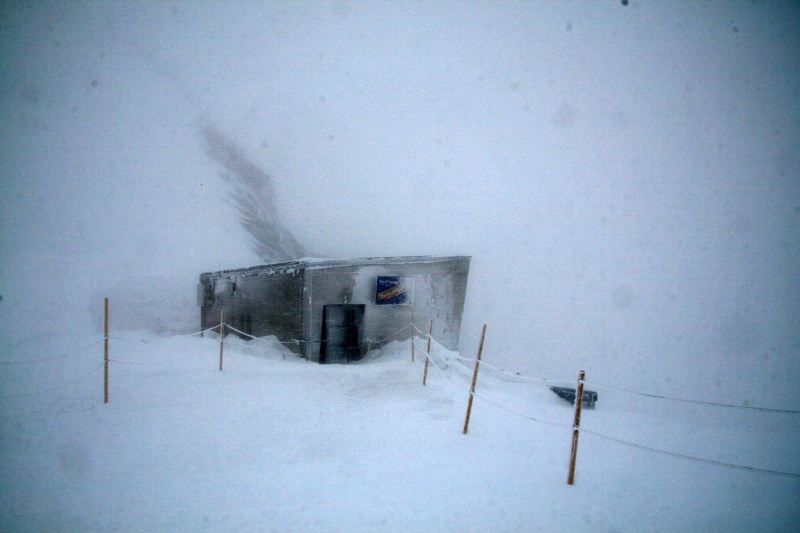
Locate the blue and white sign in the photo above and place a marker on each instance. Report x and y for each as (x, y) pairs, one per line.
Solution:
(390, 291)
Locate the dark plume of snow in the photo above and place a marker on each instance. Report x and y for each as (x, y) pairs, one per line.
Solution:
(252, 195)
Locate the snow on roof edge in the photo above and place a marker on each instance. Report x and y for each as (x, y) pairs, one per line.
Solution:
(319, 263)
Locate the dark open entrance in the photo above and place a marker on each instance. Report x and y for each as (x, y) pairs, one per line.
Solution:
(342, 333)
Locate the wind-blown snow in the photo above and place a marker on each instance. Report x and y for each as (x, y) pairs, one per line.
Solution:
(253, 197)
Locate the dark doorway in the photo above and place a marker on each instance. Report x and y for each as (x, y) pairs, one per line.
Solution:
(342, 333)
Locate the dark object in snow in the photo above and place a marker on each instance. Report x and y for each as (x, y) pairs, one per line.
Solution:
(568, 393)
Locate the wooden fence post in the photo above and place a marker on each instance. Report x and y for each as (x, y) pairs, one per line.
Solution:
(412, 334)
(105, 350)
(430, 329)
(427, 355)
(474, 380)
(221, 336)
(576, 427)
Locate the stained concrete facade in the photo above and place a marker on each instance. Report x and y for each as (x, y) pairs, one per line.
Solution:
(288, 300)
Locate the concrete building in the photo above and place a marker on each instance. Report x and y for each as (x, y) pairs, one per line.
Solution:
(336, 310)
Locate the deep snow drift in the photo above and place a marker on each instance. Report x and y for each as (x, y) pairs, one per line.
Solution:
(274, 443)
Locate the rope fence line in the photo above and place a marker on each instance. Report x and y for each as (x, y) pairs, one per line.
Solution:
(240, 332)
(431, 359)
(39, 336)
(52, 358)
(689, 457)
(575, 426)
(423, 334)
(640, 446)
(253, 337)
(285, 341)
(148, 341)
(530, 379)
(283, 355)
(199, 332)
(128, 362)
(521, 415)
(462, 365)
(392, 336)
(547, 381)
(77, 350)
(300, 341)
(701, 402)
(57, 387)
(145, 341)
(123, 339)
(500, 406)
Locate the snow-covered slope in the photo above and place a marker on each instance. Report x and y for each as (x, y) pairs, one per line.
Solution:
(274, 443)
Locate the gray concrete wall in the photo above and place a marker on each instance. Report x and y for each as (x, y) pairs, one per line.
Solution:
(263, 304)
(437, 287)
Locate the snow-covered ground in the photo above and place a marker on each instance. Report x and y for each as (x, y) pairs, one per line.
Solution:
(274, 444)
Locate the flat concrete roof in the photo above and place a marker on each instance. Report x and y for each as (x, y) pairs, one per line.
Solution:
(319, 263)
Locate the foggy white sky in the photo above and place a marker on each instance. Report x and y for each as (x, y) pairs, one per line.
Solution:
(626, 178)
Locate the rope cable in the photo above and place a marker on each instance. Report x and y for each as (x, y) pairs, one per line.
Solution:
(701, 402)
(53, 358)
(522, 415)
(65, 385)
(632, 391)
(689, 457)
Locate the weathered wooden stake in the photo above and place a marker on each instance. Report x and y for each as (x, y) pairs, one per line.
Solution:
(427, 355)
(576, 428)
(105, 350)
(412, 334)
(430, 329)
(474, 381)
(221, 336)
